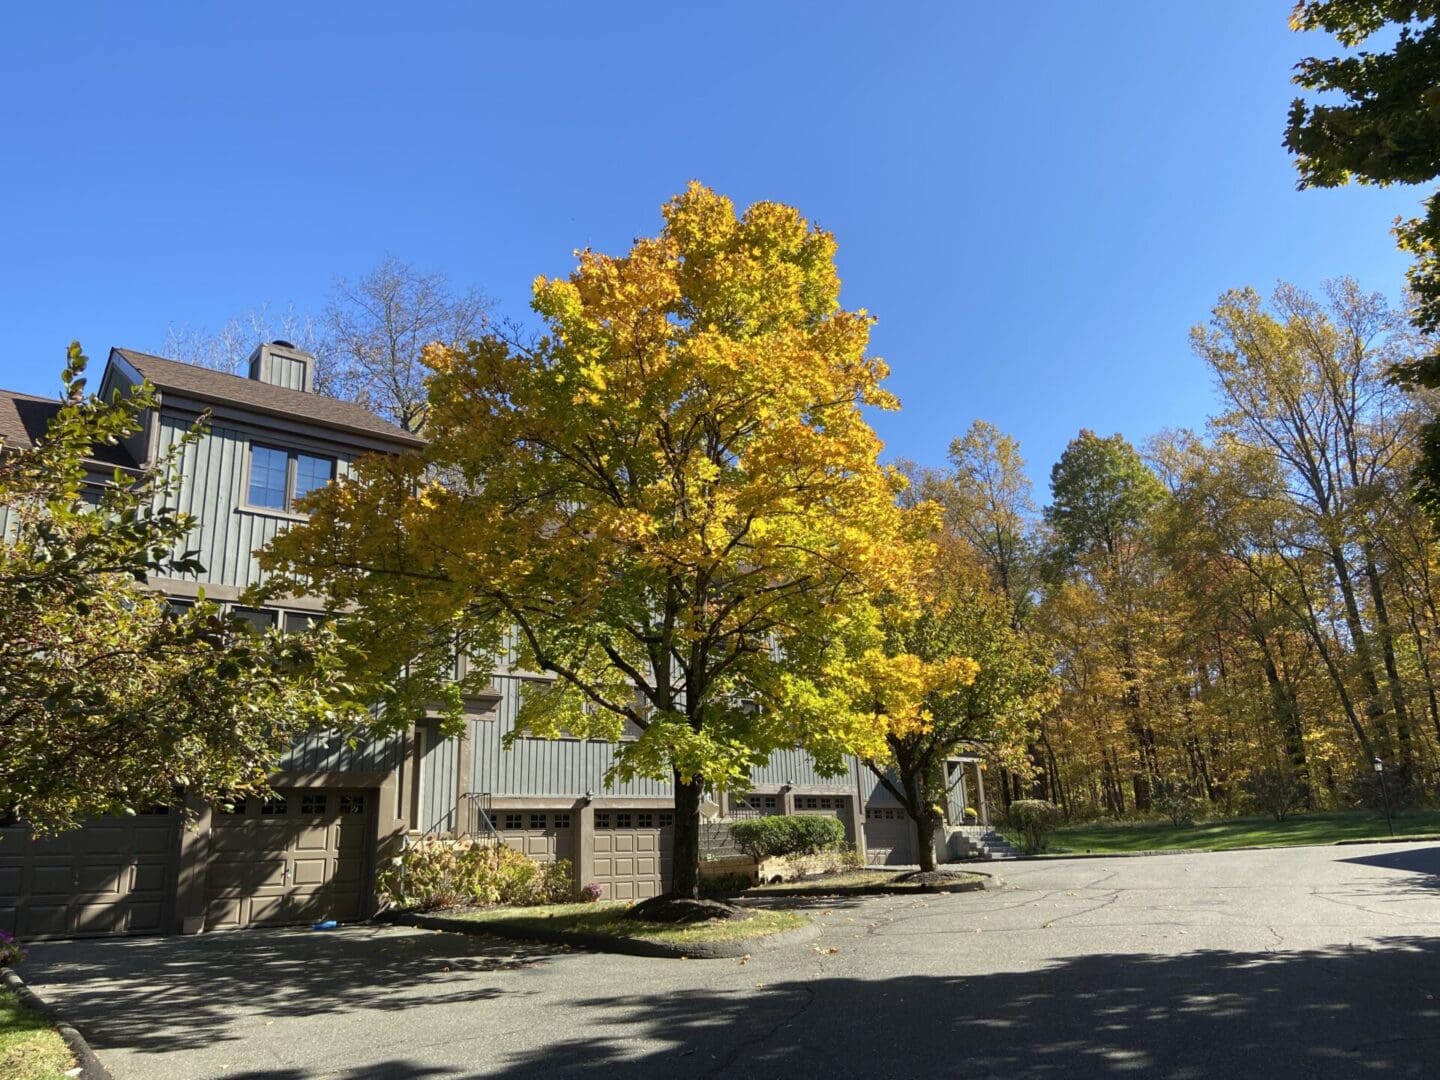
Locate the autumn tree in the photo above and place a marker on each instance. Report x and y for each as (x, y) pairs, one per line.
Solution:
(671, 500)
(1376, 121)
(1304, 386)
(110, 701)
(1104, 498)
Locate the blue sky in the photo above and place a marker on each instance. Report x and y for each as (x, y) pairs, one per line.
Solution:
(1037, 200)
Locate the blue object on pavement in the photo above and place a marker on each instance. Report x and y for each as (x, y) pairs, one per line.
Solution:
(324, 924)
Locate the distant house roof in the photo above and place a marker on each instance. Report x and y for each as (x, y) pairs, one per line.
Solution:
(24, 418)
(221, 388)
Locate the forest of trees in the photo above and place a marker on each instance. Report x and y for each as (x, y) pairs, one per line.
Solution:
(1242, 618)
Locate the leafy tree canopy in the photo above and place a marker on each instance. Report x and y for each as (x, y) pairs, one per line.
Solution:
(671, 499)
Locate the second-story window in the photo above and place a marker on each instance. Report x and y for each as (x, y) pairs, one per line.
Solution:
(279, 477)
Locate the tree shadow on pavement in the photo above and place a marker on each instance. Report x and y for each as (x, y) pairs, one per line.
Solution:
(1424, 862)
(1343, 1013)
(176, 993)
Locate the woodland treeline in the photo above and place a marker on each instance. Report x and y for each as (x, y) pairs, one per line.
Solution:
(1239, 618)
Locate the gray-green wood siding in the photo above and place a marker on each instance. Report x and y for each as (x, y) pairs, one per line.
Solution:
(227, 535)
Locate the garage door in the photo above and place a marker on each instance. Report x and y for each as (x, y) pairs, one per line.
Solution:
(295, 858)
(113, 876)
(544, 835)
(889, 838)
(634, 852)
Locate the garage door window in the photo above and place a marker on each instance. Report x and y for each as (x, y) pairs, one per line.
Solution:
(537, 821)
(314, 803)
(624, 821)
(273, 806)
(667, 821)
(352, 804)
(644, 821)
(514, 821)
(562, 821)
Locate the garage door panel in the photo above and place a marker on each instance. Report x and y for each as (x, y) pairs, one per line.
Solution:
(310, 871)
(90, 879)
(44, 920)
(10, 880)
(316, 838)
(52, 880)
(109, 918)
(148, 878)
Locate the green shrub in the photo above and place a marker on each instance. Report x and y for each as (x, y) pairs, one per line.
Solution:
(437, 872)
(1034, 819)
(798, 834)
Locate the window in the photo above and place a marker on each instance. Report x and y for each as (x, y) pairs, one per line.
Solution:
(644, 821)
(352, 804)
(316, 803)
(562, 821)
(667, 820)
(624, 821)
(537, 821)
(273, 806)
(234, 806)
(299, 621)
(311, 472)
(514, 821)
(279, 477)
(269, 470)
(602, 821)
(259, 619)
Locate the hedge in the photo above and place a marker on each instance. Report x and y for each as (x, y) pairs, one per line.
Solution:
(799, 834)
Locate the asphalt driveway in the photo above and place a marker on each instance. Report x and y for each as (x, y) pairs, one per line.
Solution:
(1306, 962)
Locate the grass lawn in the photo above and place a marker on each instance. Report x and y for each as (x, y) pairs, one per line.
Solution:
(1241, 832)
(606, 918)
(29, 1048)
(843, 882)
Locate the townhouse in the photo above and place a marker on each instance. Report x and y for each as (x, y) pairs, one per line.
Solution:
(339, 810)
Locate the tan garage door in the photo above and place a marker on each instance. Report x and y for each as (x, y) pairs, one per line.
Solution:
(634, 853)
(544, 835)
(113, 876)
(889, 837)
(297, 858)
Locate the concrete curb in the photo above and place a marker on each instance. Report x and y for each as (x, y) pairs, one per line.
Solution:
(91, 1067)
(700, 950)
(801, 891)
(1221, 851)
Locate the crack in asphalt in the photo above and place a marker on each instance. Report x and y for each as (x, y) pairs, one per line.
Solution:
(749, 1042)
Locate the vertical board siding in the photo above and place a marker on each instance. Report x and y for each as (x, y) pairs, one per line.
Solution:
(558, 767)
(798, 768)
(439, 775)
(323, 751)
(226, 535)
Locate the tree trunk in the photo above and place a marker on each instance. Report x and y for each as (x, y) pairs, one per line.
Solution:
(925, 826)
(686, 856)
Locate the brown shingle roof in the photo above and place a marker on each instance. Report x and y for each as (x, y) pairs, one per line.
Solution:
(222, 388)
(24, 418)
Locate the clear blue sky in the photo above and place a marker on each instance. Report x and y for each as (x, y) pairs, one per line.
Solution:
(1037, 200)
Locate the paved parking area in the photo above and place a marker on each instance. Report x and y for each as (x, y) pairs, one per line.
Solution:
(1305, 962)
